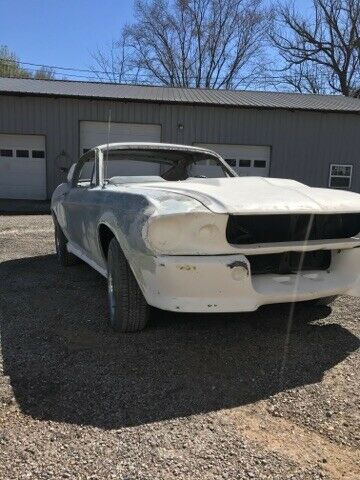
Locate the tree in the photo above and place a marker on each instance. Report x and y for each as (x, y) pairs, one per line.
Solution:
(113, 64)
(44, 73)
(321, 54)
(304, 78)
(189, 43)
(9, 64)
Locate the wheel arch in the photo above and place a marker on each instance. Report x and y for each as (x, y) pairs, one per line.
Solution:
(106, 232)
(105, 235)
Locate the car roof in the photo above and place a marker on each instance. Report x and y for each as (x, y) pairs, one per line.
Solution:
(153, 146)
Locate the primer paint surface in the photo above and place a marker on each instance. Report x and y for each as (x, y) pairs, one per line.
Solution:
(258, 195)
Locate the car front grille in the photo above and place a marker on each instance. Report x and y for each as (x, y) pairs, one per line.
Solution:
(286, 263)
(254, 229)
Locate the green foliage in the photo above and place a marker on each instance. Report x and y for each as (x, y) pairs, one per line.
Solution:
(10, 66)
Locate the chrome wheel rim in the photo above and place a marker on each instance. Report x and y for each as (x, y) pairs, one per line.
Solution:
(111, 297)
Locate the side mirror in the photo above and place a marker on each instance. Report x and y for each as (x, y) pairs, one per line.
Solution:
(70, 173)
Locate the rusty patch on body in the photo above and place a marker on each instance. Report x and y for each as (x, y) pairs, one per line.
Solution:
(238, 263)
(187, 268)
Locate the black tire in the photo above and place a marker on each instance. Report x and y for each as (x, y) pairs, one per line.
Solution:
(64, 257)
(129, 311)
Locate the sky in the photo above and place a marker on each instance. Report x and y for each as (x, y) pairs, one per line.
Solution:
(64, 33)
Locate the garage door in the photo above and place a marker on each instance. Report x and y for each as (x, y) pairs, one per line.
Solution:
(245, 159)
(22, 167)
(96, 133)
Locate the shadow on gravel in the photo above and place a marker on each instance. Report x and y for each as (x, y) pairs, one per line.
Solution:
(64, 364)
(24, 207)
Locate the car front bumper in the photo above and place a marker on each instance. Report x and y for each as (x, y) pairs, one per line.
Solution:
(224, 283)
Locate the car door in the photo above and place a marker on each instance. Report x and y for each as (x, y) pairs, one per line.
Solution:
(79, 203)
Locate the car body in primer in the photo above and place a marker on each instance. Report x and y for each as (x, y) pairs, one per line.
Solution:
(186, 245)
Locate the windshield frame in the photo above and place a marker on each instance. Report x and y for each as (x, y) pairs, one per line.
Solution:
(101, 153)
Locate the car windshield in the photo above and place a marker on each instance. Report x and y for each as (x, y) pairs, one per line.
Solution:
(159, 165)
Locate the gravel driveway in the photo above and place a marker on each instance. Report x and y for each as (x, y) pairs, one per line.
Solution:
(192, 397)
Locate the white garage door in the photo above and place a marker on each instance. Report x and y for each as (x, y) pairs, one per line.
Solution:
(22, 167)
(245, 159)
(96, 133)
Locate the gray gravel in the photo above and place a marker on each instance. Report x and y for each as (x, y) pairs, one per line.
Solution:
(192, 397)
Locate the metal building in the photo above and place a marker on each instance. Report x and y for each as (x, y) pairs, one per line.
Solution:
(45, 126)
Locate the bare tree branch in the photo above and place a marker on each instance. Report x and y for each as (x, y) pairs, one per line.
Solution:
(322, 53)
(189, 43)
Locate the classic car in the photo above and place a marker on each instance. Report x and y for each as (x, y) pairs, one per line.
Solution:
(174, 227)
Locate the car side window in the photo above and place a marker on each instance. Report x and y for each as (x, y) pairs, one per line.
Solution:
(85, 176)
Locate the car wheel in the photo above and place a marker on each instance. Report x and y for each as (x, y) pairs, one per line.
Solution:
(129, 311)
(65, 258)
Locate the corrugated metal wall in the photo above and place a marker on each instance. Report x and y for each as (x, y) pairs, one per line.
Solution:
(303, 144)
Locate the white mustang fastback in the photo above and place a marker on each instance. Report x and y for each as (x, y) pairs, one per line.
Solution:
(189, 235)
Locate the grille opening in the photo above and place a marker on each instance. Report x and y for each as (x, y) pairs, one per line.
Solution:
(286, 263)
(248, 229)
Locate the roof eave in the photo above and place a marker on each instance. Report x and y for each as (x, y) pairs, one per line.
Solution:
(174, 102)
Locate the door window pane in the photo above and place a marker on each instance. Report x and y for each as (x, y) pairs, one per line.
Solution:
(244, 163)
(6, 153)
(260, 163)
(231, 162)
(22, 153)
(340, 182)
(87, 172)
(340, 176)
(38, 154)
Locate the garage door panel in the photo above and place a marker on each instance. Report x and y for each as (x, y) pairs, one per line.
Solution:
(21, 176)
(29, 173)
(96, 133)
(246, 160)
(22, 141)
(27, 192)
(28, 166)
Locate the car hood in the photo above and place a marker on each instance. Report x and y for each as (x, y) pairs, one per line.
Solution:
(258, 195)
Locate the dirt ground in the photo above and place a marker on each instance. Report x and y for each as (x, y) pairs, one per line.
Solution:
(191, 397)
